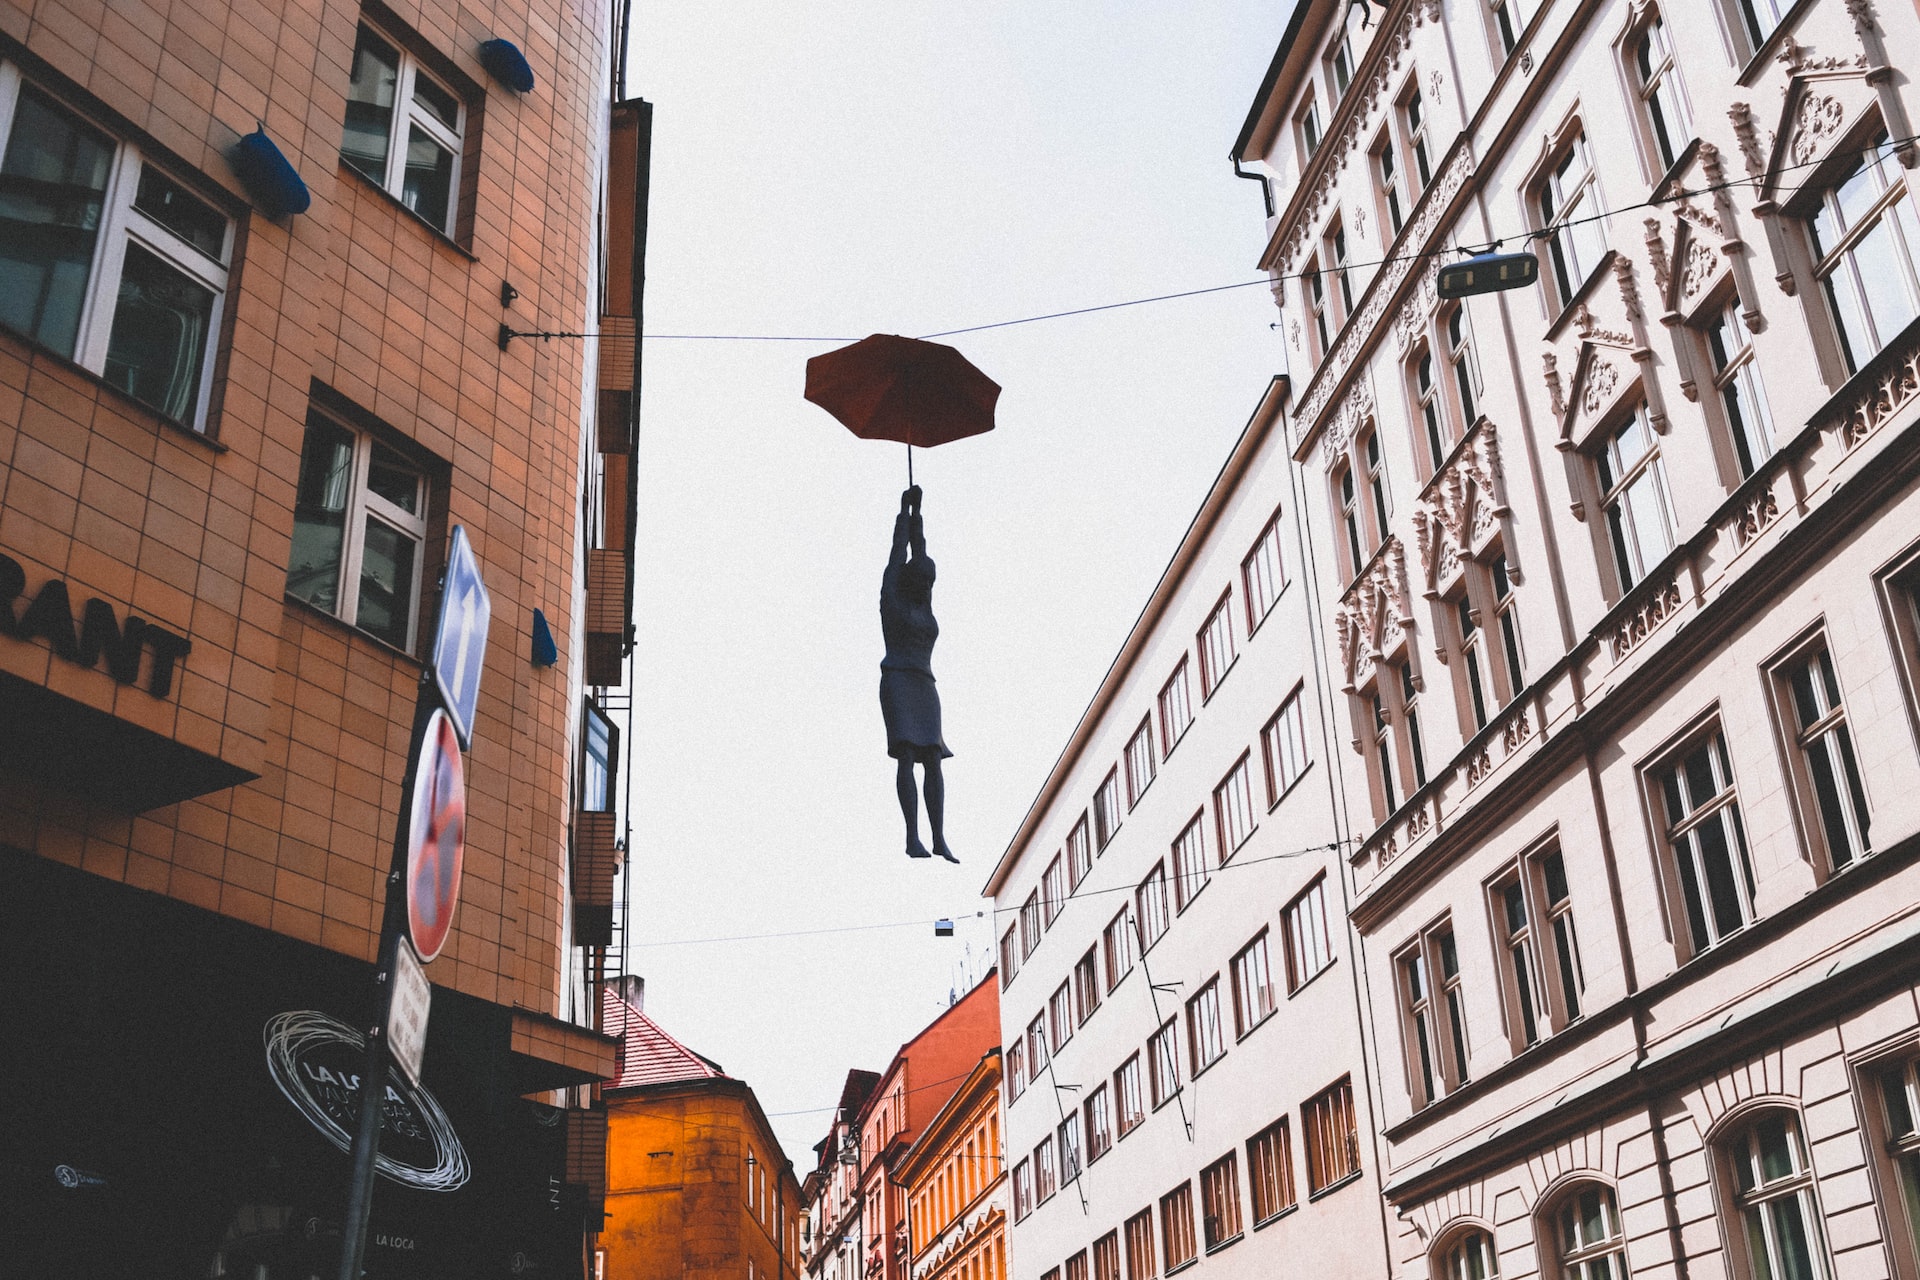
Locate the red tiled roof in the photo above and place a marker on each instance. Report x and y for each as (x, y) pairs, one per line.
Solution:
(648, 1055)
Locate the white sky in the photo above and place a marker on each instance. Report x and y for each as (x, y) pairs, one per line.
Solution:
(855, 166)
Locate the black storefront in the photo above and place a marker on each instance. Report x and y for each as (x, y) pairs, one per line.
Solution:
(169, 1079)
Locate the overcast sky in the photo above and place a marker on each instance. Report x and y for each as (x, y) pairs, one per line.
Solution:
(855, 166)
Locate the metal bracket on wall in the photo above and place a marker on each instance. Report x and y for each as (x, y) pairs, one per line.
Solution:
(508, 333)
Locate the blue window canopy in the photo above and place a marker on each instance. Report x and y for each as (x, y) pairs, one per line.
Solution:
(505, 63)
(270, 180)
(545, 651)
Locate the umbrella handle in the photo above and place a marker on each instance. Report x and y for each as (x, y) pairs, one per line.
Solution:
(909, 464)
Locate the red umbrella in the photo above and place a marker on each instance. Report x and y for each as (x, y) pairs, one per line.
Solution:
(886, 387)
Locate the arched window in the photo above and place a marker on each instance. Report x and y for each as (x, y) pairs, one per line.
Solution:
(1770, 1204)
(1466, 1256)
(1343, 486)
(1376, 484)
(1587, 1241)
(1663, 99)
(1460, 357)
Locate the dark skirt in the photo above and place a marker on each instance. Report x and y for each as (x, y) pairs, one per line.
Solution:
(910, 704)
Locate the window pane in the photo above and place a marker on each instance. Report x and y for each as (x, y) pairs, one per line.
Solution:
(1883, 276)
(437, 101)
(393, 478)
(370, 95)
(159, 340)
(386, 583)
(53, 184)
(186, 215)
(427, 188)
(320, 516)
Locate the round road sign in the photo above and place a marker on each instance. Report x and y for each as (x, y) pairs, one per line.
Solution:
(436, 838)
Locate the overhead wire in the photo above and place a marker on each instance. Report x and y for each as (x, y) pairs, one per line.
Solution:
(1417, 255)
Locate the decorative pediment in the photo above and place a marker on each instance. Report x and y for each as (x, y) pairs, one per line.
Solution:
(1824, 98)
(1461, 510)
(1603, 373)
(1375, 615)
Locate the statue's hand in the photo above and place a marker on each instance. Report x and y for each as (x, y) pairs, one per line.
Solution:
(912, 496)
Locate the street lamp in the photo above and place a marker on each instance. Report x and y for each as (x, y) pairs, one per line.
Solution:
(1488, 273)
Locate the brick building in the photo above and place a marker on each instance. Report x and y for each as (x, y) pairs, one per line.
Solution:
(697, 1185)
(1617, 580)
(234, 440)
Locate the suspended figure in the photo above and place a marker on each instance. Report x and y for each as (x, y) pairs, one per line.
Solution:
(909, 702)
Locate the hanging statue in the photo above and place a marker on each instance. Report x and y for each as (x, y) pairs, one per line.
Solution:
(909, 701)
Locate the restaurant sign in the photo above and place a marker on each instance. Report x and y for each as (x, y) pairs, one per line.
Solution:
(95, 635)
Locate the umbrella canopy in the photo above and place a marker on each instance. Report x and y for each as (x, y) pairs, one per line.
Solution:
(886, 387)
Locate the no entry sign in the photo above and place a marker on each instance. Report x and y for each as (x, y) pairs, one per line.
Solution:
(436, 839)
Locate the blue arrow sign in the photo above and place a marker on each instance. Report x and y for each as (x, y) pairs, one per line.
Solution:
(460, 638)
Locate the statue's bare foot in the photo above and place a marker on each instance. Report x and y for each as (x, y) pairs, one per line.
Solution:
(917, 850)
(940, 850)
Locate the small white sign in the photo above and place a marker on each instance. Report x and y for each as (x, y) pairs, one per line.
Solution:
(407, 1011)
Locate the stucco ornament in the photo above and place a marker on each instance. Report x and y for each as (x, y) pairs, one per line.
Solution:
(1354, 412)
(1374, 616)
(1461, 509)
(1817, 122)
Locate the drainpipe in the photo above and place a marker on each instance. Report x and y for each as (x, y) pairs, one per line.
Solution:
(1266, 183)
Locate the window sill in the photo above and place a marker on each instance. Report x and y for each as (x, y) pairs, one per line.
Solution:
(315, 611)
(34, 352)
(1228, 1243)
(445, 240)
(1202, 1070)
(1265, 1018)
(1133, 801)
(1178, 1267)
(1288, 789)
(1332, 1187)
(1219, 681)
(1276, 1215)
(1278, 596)
(1164, 1101)
(1315, 977)
(1667, 184)
(1191, 899)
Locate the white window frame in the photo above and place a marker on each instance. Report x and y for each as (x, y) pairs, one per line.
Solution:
(362, 503)
(407, 112)
(120, 223)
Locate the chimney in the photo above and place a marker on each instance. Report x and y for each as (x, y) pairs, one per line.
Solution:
(632, 988)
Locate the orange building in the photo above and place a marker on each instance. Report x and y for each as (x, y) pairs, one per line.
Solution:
(956, 1185)
(697, 1185)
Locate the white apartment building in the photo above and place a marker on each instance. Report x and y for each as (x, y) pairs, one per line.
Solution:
(1619, 572)
(1185, 1081)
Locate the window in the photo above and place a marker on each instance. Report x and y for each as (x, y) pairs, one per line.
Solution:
(1106, 1257)
(1206, 1044)
(1233, 807)
(1141, 761)
(359, 532)
(1270, 1172)
(1826, 774)
(1468, 1256)
(1308, 124)
(1633, 489)
(1398, 749)
(1176, 709)
(1067, 1137)
(1060, 1016)
(1077, 1266)
(1150, 905)
(1333, 1143)
(1099, 1124)
(1347, 500)
(403, 130)
(1433, 1019)
(1773, 1198)
(1037, 1052)
(1336, 243)
(1190, 870)
(1466, 374)
(1376, 468)
(1053, 892)
(1030, 928)
(1568, 198)
(1393, 196)
(1163, 1064)
(1587, 1233)
(1510, 20)
(1309, 942)
(1541, 973)
(104, 259)
(1086, 984)
(600, 761)
(1045, 1178)
(1216, 646)
(1253, 995)
(1485, 681)
(1176, 1227)
(1283, 747)
(1507, 614)
(1898, 1094)
(1140, 1255)
(1473, 661)
(1742, 401)
(1127, 1096)
(1117, 942)
(1759, 18)
(1009, 956)
(1316, 293)
(1106, 808)
(1220, 1201)
(1429, 407)
(1663, 98)
(1262, 575)
(1705, 838)
(1022, 1190)
(1079, 853)
(1413, 126)
(1016, 1069)
(1340, 62)
(1865, 236)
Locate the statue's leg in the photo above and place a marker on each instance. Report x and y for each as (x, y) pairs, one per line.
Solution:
(910, 807)
(937, 809)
